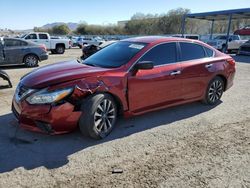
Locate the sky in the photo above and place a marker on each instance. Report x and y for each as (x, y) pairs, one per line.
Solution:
(25, 14)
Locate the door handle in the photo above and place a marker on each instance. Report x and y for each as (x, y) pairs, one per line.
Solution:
(175, 73)
(208, 66)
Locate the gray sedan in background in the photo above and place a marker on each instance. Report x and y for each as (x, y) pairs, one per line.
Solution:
(17, 51)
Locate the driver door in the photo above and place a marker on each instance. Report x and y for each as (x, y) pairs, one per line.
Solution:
(158, 87)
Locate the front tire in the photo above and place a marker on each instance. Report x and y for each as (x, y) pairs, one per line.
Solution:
(99, 116)
(214, 91)
(31, 60)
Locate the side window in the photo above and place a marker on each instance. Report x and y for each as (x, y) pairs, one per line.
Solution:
(13, 42)
(1, 44)
(190, 51)
(23, 43)
(43, 36)
(234, 37)
(161, 54)
(210, 53)
(31, 36)
(9, 43)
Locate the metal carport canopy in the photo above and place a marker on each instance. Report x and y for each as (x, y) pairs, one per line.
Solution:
(217, 16)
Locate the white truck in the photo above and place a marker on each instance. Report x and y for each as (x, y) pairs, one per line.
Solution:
(56, 46)
(219, 42)
(81, 41)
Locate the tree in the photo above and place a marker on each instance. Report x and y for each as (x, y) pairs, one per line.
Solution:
(60, 30)
(81, 29)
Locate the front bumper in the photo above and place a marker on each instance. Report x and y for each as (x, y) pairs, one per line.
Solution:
(46, 118)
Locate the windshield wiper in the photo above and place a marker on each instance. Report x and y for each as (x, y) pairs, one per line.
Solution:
(92, 65)
(79, 60)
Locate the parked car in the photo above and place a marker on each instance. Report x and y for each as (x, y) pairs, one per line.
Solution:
(188, 36)
(15, 51)
(130, 77)
(219, 42)
(5, 77)
(73, 41)
(56, 46)
(91, 49)
(245, 48)
(243, 31)
(81, 41)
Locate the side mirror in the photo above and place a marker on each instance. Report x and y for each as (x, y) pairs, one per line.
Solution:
(144, 65)
(230, 39)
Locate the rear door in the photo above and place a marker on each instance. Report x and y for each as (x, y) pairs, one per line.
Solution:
(14, 50)
(44, 39)
(196, 69)
(159, 86)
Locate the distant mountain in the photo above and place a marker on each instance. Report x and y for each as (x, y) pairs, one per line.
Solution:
(71, 25)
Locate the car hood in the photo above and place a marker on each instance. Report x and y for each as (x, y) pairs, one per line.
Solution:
(58, 73)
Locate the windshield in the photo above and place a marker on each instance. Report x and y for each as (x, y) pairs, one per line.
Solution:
(221, 37)
(24, 35)
(115, 55)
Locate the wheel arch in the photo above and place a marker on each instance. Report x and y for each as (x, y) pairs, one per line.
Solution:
(60, 44)
(224, 80)
(116, 99)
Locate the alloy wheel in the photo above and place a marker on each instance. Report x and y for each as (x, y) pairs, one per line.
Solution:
(104, 117)
(31, 61)
(215, 91)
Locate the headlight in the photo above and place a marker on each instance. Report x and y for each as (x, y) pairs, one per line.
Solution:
(46, 97)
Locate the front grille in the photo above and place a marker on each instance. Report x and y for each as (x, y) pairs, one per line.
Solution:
(15, 112)
(22, 91)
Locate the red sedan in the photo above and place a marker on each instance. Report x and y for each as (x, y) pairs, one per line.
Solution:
(130, 77)
(243, 31)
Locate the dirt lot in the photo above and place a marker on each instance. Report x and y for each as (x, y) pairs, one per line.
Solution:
(186, 146)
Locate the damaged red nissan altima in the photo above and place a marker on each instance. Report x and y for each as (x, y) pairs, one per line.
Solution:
(130, 77)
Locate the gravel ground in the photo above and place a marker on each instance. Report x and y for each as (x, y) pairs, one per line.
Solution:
(186, 146)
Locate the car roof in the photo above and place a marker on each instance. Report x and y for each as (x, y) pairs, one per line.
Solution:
(29, 42)
(157, 39)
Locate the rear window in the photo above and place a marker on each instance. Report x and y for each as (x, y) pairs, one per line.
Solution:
(191, 51)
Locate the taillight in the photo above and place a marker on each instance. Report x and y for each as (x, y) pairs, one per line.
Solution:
(231, 61)
(43, 47)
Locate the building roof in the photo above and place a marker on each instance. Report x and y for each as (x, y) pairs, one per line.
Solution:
(222, 15)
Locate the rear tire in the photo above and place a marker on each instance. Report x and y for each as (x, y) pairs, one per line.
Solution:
(214, 91)
(60, 49)
(31, 60)
(53, 51)
(99, 116)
